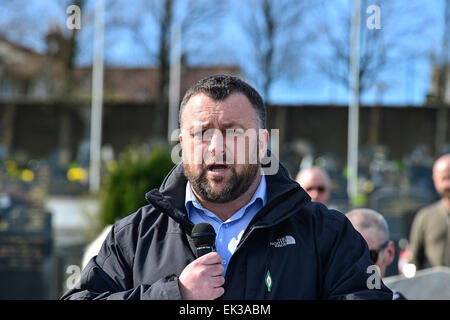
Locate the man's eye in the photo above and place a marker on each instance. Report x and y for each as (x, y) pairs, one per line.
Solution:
(198, 134)
(234, 132)
(205, 135)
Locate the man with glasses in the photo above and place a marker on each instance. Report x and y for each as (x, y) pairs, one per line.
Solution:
(316, 183)
(374, 229)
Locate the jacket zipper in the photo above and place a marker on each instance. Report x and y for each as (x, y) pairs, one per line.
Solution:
(251, 227)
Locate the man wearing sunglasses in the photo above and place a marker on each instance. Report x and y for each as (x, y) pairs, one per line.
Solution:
(374, 229)
(316, 183)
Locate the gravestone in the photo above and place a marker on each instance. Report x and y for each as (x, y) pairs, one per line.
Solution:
(25, 248)
(399, 207)
(427, 284)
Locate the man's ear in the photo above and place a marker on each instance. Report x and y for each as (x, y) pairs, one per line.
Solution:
(390, 249)
(180, 136)
(263, 141)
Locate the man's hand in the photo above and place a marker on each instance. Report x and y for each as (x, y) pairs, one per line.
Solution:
(202, 278)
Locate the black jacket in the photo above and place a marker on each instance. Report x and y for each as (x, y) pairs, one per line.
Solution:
(310, 251)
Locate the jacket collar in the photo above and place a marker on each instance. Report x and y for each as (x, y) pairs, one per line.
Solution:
(278, 185)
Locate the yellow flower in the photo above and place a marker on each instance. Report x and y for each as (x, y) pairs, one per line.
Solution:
(27, 175)
(76, 174)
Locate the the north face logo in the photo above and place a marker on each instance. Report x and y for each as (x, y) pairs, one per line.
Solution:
(282, 242)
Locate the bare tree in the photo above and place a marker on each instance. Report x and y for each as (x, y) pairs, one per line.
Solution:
(443, 84)
(381, 49)
(25, 24)
(151, 28)
(276, 34)
(65, 96)
(392, 43)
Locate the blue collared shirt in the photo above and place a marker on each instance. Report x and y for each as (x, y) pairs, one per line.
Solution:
(228, 233)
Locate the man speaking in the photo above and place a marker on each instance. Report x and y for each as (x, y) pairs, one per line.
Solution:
(271, 241)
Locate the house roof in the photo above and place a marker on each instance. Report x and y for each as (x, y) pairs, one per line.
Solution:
(120, 83)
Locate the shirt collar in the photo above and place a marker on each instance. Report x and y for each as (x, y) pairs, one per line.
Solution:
(260, 193)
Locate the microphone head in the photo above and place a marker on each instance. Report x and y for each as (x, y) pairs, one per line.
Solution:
(203, 235)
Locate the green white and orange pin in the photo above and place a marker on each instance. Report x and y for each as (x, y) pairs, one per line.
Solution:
(268, 281)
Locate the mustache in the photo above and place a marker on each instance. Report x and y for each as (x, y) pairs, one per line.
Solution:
(230, 159)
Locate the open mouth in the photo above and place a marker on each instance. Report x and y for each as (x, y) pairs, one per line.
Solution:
(217, 169)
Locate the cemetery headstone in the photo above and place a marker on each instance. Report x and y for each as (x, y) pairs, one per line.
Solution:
(399, 207)
(25, 248)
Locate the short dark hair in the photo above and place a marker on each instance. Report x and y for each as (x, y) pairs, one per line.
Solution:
(220, 86)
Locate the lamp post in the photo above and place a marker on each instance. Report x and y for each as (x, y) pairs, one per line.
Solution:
(97, 99)
(353, 111)
(174, 79)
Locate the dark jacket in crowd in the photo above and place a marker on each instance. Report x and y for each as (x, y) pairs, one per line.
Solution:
(307, 251)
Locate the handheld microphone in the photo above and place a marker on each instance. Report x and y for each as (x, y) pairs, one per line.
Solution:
(204, 237)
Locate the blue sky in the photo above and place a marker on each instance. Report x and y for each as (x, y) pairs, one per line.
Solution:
(406, 82)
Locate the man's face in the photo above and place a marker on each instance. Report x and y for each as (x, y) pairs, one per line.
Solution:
(316, 185)
(441, 177)
(221, 148)
(385, 255)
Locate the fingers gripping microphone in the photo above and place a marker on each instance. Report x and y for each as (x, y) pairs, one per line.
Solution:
(204, 237)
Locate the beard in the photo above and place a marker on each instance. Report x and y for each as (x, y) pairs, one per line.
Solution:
(444, 192)
(237, 185)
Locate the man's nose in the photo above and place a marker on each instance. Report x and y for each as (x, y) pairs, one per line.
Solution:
(216, 146)
(313, 194)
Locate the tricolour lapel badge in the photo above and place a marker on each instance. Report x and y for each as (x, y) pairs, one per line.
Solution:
(268, 281)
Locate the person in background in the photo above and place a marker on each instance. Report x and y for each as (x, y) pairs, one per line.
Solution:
(374, 229)
(429, 237)
(316, 183)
